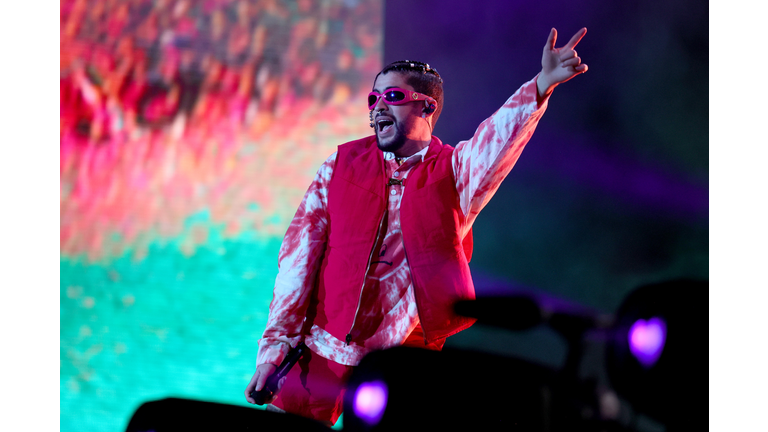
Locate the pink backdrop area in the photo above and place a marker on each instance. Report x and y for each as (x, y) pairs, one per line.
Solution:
(171, 108)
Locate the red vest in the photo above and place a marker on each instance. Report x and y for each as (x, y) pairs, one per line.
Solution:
(431, 221)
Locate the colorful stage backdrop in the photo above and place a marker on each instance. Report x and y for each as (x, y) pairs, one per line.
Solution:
(190, 130)
(189, 133)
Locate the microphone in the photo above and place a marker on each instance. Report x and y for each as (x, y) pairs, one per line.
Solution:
(270, 387)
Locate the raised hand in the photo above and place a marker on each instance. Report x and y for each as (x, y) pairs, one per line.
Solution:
(558, 65)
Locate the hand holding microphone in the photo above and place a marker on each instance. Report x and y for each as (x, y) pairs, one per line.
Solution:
(268, 379)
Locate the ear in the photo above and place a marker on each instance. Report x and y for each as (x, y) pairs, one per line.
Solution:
(430, 105)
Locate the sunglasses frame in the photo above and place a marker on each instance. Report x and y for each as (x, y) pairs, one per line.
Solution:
(410, 96)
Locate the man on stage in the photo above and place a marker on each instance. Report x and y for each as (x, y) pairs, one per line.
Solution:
(378, 250)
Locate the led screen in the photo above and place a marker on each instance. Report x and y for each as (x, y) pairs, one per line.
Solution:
(189, 133)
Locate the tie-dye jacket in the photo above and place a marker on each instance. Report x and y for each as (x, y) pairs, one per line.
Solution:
(387, 309)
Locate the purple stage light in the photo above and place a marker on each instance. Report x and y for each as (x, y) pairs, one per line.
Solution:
(646, 340)
(370, 401)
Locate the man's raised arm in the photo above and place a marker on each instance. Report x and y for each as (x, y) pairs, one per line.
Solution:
(481, 163)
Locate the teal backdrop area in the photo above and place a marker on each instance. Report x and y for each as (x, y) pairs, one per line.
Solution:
(170, 325)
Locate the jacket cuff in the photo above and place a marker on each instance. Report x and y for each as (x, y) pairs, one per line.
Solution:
(531, 94)
(272, 352)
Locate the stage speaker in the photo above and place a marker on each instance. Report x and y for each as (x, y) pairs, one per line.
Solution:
(177, 415)
(410, 389)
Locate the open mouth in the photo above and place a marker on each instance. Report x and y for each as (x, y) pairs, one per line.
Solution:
(384, 125)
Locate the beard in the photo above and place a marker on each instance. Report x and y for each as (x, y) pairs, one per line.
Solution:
(393, 143)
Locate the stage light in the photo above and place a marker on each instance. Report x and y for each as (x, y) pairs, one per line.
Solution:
(657, 352)
(646, 340)
(371, 401)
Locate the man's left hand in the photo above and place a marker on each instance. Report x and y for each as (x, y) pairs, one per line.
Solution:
(558, 65)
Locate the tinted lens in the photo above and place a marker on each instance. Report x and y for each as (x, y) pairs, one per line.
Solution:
(394, 96)
(371, 100)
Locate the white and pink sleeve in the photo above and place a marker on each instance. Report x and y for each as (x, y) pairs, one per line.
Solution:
(481, 163)
(298, 261)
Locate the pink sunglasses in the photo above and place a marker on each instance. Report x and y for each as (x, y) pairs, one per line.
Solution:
(395, 96)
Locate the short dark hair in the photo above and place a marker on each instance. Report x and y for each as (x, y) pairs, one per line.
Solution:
(423, 78)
